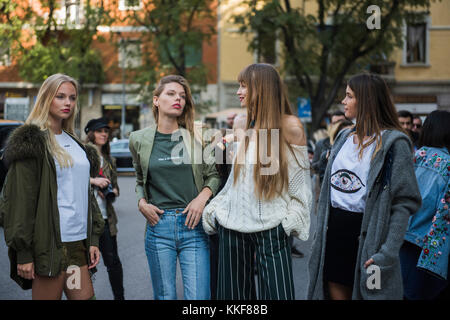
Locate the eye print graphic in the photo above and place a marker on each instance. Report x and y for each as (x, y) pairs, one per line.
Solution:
(346, 181)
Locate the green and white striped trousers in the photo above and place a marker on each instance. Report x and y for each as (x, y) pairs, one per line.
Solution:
(238, 252)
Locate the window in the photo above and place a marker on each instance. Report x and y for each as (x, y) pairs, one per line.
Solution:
(73, 12)
(416, 44)
(130, 53)
(16, 109)
(130, 5)
(193, 56)
(70, 13)
(5, 57)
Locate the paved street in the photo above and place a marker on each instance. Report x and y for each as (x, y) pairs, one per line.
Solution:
(137, 281)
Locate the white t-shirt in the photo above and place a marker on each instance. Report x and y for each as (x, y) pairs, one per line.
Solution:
(101, 202)
(73, 189)
(349, 177)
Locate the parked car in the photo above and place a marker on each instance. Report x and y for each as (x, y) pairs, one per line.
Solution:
(6, 127)
(120, 151)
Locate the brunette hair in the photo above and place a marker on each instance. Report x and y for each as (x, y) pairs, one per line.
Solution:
(436, 130)
(186, 120)
(375, 109)
(405, 114)
(267, 103)
(106, 149)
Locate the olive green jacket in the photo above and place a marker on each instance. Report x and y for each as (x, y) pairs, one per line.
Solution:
(110, 172)
(204, 170)
(29, 204)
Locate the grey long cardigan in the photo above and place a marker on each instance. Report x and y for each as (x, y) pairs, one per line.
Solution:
(388, 208)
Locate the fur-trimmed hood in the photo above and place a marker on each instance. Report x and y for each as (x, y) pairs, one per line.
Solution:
(28, 141)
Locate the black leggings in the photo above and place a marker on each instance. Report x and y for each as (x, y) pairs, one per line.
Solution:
(108, 248)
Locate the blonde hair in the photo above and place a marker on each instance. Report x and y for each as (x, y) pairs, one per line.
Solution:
(39, 116)
(186, 120)
(267, 103)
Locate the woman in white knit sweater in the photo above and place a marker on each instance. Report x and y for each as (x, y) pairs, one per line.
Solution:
(267, 197)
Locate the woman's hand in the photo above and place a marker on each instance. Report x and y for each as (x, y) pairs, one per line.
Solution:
(100, 182)
(94, 254)
(368, 263)
(149, 211)
(26, 270)
(195, 208)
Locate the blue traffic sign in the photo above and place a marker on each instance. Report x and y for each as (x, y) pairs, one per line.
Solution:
(304, 108)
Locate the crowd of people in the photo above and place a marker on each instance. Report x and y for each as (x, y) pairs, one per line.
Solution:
(384, 196)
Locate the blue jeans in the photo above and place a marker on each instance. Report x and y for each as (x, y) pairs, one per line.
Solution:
(170, 239)
(418, 284)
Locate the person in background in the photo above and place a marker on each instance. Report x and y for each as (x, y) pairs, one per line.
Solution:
(324, 145)
(52, 222)
(230, 120)
(406, 121)
(368, 193)
(417, 124)
(335, 128)
(336, 116)
(425, 252)
(106, 190)
(164, 154)
(223, 154)
(258, 209)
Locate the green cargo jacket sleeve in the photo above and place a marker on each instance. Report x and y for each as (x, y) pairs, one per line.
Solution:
(21, 197)
(98, 224)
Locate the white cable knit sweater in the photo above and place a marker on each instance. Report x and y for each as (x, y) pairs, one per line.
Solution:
(236, 207)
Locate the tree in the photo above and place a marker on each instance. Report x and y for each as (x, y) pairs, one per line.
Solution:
(320, 50)
(43, 43)
(172, 44)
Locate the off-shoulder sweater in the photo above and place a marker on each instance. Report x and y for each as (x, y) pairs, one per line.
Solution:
(237, 207)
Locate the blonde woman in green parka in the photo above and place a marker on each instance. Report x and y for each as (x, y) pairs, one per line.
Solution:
(52, 222)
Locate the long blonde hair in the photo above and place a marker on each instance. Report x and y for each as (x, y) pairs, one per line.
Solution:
(186, 120)
(267, 103)
(39, 116)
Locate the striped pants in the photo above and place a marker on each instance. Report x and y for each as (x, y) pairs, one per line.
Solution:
(237, 252)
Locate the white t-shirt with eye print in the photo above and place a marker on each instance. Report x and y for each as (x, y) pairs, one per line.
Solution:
(349, 177)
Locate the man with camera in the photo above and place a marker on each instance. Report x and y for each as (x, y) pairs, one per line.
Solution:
(106, 191)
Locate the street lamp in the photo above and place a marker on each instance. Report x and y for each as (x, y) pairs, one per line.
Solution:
(123, 65)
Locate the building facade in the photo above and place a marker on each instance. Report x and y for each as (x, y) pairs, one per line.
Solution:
(121, 52)
(418, 73)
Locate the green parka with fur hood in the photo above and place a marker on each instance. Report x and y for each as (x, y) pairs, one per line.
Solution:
(29, 204)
